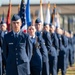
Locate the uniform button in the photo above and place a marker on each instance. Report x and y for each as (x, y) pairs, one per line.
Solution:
(16, 62)
(16, 53)
(15, 48)
(16, 58)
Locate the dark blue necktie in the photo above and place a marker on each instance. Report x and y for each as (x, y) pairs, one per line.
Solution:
(16, 35)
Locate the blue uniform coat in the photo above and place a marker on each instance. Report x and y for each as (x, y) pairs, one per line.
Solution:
(14, 50)
(2, 60)
(44, 52)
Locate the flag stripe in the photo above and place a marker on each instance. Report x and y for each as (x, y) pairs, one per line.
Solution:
(22, 14)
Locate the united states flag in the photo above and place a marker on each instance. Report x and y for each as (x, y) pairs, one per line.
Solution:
(22, 14)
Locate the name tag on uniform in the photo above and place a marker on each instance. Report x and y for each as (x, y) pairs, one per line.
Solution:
(10, 43)
(21, 43)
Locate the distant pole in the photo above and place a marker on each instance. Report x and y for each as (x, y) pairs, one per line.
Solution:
(68, 23)
(63, 21)
(18, 7)
(3, 19)
(10, 9)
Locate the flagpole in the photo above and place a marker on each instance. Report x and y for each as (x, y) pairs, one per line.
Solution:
(41, 7)
(18, 7)
(33, 19)
(54, 13)
(10, 14)
(49, 5)
(10, 9)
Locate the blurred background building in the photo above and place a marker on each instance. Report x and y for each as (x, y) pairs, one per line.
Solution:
(66, 9)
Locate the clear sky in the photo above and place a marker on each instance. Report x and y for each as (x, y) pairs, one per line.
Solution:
(38, 1)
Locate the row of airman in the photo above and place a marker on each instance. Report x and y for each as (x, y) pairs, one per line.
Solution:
(37, 52)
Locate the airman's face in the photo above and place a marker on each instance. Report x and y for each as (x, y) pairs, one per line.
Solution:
(47, 28)
(16, 25)
(31, 30)
(3, 27)
(38, 26)
(52, 29)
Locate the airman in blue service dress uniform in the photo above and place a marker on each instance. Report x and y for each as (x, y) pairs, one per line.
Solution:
(71, 49)
(65, 44)
(36, 60)
(15, 45)
(43, 49)
(62, 53)
(74, 45)
(3, 31)
(0, 60)
(51, 50)
(54, 38)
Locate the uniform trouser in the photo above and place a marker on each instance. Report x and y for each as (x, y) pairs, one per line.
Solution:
(62, 62)
(53, 64)
(45, 68)
(35, 72)
(24, 69)
(70, 57)
(0, 67)
(74, 53)
(21, 69)
(64, 67)
(73, 56)
(67, 55)
(36, 64)
(3, 65)
(0, 62)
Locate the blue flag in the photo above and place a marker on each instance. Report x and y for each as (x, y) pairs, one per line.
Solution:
(28, 14)
(22, 14)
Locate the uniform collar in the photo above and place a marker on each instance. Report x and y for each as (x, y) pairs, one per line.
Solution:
(16, 33)
(32, 36)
